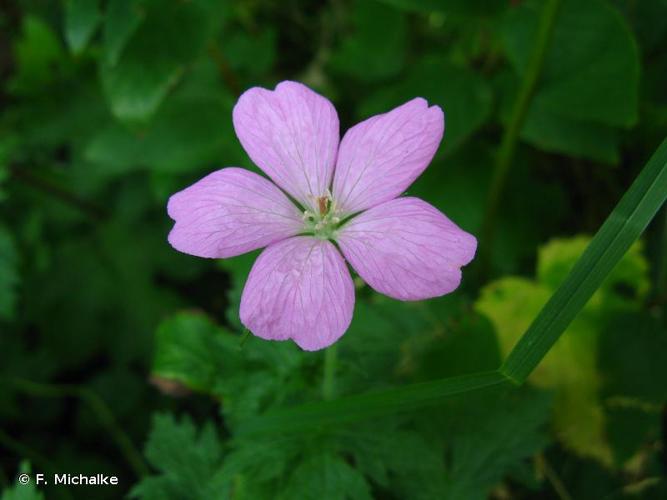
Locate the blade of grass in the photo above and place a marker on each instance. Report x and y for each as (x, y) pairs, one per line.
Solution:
(368, 405)
(623, 226)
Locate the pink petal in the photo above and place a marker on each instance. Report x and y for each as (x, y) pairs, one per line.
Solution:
(407, 249)
(299, 289)
(292, 134)
(230, 212)
(380, 157)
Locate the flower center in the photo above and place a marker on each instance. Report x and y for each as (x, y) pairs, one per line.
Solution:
(323, 221)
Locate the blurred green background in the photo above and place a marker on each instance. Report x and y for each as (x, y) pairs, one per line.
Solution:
(121, 356)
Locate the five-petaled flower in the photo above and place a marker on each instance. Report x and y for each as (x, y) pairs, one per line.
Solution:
(326, 199)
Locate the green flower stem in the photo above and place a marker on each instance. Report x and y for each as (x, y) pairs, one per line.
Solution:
(329, 379)
(511, 136)
(99, 409)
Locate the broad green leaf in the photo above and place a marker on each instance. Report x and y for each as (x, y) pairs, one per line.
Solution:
(612, 241)
(9, 273)
(589, 79)
(82, 18)
(155, 57)
(371, 21)
(190, 133)
(186, 458)
(583, 139)
(325, 475)
(122, 18)
(570, 367)
(462, 94)
(38, 54)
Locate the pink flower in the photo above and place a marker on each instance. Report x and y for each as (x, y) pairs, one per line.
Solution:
(347, 202)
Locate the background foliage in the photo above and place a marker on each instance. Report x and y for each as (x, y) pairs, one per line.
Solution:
(122, 356)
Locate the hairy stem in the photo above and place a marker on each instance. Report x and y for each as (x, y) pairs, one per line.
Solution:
(511, 135)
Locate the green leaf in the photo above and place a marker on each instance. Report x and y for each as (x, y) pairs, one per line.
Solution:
(23, 491)
(186, 458)
(248, 377)
(82, 18)
(372, 21)
(466, 98)
(589, 80)
(9, 273)
(570, 365)
(189, 133)
(38, 54)
(399, 460)
(583, 139)
(369, 405)
(325, 475)
(155, 57)
(122, 19)
(192, 350)
(488, 436)
(617, 234)
(633, 358)
(251, 53)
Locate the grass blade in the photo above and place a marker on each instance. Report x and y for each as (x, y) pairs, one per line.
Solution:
(623, 226)
(372, 404)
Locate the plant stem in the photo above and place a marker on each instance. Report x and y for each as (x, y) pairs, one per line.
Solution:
(511, 135)
(59, 192)
(328, 382)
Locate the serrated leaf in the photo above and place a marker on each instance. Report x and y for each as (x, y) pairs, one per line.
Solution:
(186, 458)
(490, 435)
(194, 351)
(248, 377)
(325, 475)
(398, 459)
